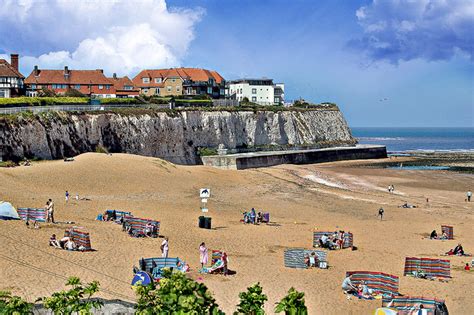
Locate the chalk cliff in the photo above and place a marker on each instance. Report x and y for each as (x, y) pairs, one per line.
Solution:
(174, 136)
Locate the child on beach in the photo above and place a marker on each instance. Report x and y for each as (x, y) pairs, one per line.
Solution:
(203, 254)
(381, 211)
(67, 196)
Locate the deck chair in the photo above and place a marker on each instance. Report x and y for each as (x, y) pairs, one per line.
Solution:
(378, 281)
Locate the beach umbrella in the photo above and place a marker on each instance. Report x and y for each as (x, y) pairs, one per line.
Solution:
(7, 211)
(141, 278)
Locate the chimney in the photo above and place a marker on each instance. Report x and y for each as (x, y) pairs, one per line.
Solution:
(14, 61)
(100, 70)
(115, 76)
(36, 71)
(66, 72)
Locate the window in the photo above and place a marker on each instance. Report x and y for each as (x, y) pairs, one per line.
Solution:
(33, 86)
(277, 100)
(64, 86)
(168, 88)
(77, 86)
(177, 89)
(189, 90)
(157, 80)
(54, 86)
(254, 98)
(127, 87)
(146, 80)
(173, 80)
(209, 90)
(145, 91)
(107, 87)
(254, 91)
(3, 93)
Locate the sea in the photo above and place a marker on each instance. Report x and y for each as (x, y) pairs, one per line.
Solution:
(399, 140)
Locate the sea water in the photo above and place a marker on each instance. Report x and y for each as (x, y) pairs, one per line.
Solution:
(418, 139)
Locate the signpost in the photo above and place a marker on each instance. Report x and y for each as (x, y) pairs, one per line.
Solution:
(204, 194)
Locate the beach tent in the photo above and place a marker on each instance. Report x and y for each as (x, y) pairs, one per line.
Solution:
(7, 211)
(348, 239)
(431, 267)
(409, 304)
(378, 281)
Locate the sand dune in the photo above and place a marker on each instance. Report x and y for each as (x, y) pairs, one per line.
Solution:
(298, 204)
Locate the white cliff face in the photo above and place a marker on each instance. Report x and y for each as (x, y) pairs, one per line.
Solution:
(174, 137)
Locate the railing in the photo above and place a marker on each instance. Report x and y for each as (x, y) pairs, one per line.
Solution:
(77, 107)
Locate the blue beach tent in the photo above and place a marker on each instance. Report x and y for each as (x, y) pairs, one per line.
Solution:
(7, 211)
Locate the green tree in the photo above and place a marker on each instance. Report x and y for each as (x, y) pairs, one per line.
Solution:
(74, 301)
(292, 304)
(176, 294)
(74, 93)
(252, 301)
(13, 305)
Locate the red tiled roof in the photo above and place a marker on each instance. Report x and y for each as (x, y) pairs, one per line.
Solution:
(6, 70)
(193, 74)
(75, 77)
(119, 83)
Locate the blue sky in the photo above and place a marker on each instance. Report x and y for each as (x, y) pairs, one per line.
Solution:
(386, 63)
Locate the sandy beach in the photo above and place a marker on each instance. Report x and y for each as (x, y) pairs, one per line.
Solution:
(300, 199)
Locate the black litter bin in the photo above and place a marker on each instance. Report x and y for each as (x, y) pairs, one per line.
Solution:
(207, 223)
(202, 221)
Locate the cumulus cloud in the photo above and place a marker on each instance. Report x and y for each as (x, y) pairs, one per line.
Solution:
(397, 30)
(120, 36)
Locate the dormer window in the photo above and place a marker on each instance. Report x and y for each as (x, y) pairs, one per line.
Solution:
(158, 80)
(146, 80)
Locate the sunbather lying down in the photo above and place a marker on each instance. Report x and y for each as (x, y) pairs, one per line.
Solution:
(407, 205)
(458, 250)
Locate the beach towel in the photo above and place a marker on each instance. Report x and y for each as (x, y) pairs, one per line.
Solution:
(348, 238)
(217, 266)
(408, 304)
(80, 237)
(33, 214)
(430, 267)
(383, 283)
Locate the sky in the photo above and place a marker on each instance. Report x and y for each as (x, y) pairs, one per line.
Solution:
(386, 63)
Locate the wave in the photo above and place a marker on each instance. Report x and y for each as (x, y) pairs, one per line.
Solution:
(381, 138)
(414, 151)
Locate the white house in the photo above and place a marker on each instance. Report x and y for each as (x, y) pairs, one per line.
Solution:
(11, 80)
(260, 91)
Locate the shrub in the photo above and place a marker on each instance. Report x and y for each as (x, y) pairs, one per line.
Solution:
(252, 301)
(74, 301)
(73, 93)
(207, 151)
(176, 294)
(292, 304)
(8, 164)
(42, 101)
(119, 101)
(13, 305)
(101, 149)
(46, 92)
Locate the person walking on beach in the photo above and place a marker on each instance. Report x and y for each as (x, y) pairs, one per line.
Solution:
(203, 254)
(225, 260)
(50, 209)
(469, 195)
(381, 213)
(164, 248)
(67, 196)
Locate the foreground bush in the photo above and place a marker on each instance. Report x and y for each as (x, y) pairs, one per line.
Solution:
(119, 101)
(177, 294)
(13, 305)
(292, 304)
(252, 301)
(43, 101)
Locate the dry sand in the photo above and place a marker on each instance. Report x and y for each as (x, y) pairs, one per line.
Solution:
(299, 198)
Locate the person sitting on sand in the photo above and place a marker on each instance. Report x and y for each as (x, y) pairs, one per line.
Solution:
(347, 286)
(458, 250)
(433, 235)
(259, 218)
(467, 267)
(54, 242)
(307, 260)
(113, 216)
(323, 241)
(444, 236)
(148, 229)
(70, 245)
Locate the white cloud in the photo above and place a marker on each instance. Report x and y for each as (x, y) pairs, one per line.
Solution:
(120, 36)
(398, 30)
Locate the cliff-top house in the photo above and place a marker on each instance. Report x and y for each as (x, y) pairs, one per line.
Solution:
(180, 81)
(89, 82)
(124, 87)
(261, 91)
(11, 80)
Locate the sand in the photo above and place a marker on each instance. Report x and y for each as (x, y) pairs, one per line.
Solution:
(299, 198)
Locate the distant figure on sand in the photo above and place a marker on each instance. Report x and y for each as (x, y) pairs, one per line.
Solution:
(67, 196)
(50, 210)
(434, 235)
(203, 254)
(347, 286)
(469, 195)
(381, 213)
(164, 248)
(225, 260)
